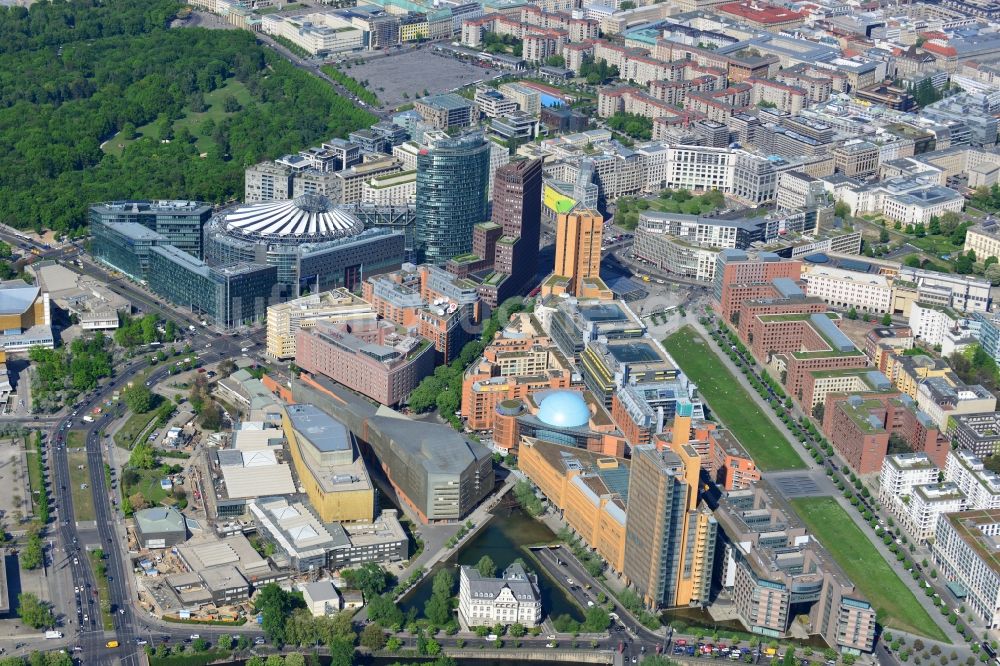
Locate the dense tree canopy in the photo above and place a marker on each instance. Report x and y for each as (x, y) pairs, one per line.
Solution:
(72, 74)
(35, 613)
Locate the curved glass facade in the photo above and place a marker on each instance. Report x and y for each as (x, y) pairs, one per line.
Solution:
(452, 179)
(339, 262)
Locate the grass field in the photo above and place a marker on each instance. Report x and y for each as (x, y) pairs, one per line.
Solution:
(192, 121)
(103, 595)
(149, 486)
(137, 424)
(731, 403)
(83, 498)
(75, 439)
(34, 474)
(896, 605)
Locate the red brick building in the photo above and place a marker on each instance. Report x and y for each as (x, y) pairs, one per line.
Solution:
(860, 427)
(739, 278)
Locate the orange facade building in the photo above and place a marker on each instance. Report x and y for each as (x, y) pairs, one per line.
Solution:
(519, 361)
(578, 247)
(585, 487)
(722, 456)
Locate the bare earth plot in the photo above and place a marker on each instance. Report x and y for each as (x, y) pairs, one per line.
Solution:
(412, 72)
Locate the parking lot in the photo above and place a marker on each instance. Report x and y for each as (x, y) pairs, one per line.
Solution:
(411, 72)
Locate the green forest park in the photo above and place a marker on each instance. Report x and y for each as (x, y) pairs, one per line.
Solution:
(190, 107)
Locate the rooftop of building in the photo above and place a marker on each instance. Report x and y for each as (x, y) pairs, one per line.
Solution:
(943, 493)
(160, 519)
(166, 206)
(17, 297)
(910, 461)
(323, 301)
(977, 529)
(520, 583)
(446, 101)
(324, 432)
(135, 231)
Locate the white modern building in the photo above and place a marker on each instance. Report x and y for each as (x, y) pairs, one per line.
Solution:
(931, 322)
(512, 598)
(902, 472)
(317, 32)
(321, 598)
(848, 289)
(392, 189)
(984, 240)
(908, 200)
(980, 486)
(919, 515)
(965, 552)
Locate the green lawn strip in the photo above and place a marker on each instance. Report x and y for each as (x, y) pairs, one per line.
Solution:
(896, 605)
(75, 439)
(136, 425)
(103, 594)
(729, 402)
(83, 498)
(34, 474)
(190, 659)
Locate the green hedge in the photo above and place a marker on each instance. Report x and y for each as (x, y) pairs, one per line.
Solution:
(217, 623)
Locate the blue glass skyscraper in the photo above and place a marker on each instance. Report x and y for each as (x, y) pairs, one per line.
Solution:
(452, 179)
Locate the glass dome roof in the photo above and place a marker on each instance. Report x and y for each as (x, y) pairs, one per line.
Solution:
(564, 409)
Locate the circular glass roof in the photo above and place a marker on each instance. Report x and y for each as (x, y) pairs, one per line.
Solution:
(564, 409)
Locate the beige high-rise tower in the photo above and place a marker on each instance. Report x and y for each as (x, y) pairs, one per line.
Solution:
(578, 247)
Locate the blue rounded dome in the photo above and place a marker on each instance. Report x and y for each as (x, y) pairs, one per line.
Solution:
(564, 409)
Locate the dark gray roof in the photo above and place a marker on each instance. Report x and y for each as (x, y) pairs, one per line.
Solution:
(521, 585)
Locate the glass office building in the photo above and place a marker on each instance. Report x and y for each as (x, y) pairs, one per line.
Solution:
(312, 243)
(124, 246)
(180, 222)
(452, 179)
(231, 296)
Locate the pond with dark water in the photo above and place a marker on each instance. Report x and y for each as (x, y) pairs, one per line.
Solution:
(505, 538)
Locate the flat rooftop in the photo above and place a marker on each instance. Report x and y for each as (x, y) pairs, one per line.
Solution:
(323, 431)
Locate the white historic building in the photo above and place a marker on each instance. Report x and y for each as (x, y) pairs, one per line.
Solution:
(511, 598)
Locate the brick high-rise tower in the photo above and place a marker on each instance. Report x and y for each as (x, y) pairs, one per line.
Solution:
(517, 209)
(508, 244)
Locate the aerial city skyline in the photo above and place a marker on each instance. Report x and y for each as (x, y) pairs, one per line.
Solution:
(500, 331)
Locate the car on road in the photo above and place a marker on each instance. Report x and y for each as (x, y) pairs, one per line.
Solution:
(259, 641)
(141, 641)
